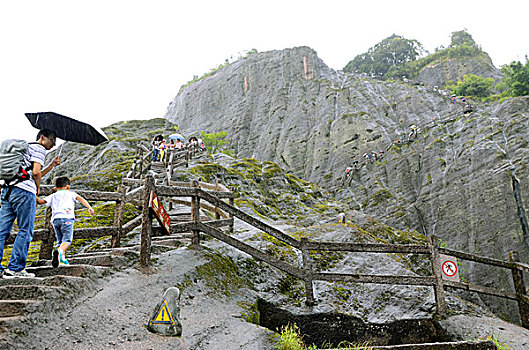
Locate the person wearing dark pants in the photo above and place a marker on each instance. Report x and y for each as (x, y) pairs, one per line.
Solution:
(21, 205)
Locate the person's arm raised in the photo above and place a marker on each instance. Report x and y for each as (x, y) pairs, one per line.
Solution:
(55, 162)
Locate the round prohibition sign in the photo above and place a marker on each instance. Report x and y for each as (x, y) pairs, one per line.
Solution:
(449, 268)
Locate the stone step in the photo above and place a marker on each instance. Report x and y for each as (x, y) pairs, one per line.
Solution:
(94, 259)
(106, 260)
(77, 270)
(123, 252)
(25, 292)
(186, 217)
(9, 321)
(129, 251)
(176, 237)
(169, 242)
(10, 308)
(160, 248)
(41, 281)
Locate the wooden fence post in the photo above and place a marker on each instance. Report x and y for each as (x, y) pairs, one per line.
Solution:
(307, 272)
(136, 161)
(146, 223)
(217, 213)
(232, 203)
(519, 287)
(195, 215)
(141, 163)
(439, 292)
(118, 217)
(46, 246)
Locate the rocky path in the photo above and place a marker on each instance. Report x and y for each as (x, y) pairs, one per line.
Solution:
(94, 311)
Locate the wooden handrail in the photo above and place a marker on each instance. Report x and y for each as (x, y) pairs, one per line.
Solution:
(88, 195)
(211, 195)
(249, 219)
(202, 205)
(481, 289)
(367, 247)
(480, 259)
(295, 271)
(379, 279)
(214, 195)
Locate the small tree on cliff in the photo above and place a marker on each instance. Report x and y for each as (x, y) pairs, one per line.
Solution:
(472, 86)
(516, 78)
(392, 51)
(215, 142)
(461, 37)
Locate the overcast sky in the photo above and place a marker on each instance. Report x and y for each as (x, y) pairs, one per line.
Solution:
(105, 61)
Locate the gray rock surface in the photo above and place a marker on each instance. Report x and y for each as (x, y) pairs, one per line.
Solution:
(455, 181)
(463, 327)
(439, 72)
(116, 315)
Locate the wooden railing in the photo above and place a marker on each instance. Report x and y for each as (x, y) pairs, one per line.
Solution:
(116, 231)
(309, 274)
(212, 198)
(173, 159)
(193, 190)
(47, 236)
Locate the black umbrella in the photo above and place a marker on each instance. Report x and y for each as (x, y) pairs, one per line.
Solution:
(66, 128)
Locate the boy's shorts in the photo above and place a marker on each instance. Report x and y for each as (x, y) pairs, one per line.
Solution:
(63, 230)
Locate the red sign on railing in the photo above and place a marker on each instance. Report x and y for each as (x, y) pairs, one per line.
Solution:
(159, 211)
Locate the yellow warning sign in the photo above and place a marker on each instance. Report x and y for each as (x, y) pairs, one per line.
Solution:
(163, 316)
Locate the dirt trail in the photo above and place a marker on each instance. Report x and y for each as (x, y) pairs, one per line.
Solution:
(115, 316)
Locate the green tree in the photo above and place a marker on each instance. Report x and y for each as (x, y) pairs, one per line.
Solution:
(392, 51)
(472, 86)
(216, 141)
(516, 78)
(461, 37)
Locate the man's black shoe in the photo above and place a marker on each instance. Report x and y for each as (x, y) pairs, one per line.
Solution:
(55, 258)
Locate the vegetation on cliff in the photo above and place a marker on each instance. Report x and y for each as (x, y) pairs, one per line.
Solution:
(213, 71)
(390, 52)
(471, 85)
(516, 78)
(396, 57)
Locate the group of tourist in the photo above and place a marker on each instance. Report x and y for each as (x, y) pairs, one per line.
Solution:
(160, 147)
(414, 130)
(20, 196)
(454, 98)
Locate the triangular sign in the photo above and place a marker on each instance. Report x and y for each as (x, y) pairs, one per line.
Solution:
(163, 316)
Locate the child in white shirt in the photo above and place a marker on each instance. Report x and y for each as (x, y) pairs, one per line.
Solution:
(62, 204)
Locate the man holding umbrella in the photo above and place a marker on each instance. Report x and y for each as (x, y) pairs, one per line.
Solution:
(22, 201)
(21, 204)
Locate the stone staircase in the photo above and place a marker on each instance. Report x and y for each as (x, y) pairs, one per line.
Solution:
(53, 288)
(159, 168)
(20, 297)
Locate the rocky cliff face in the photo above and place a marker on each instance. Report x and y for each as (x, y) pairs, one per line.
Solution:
(439, 72)
(289, 107)
(458, 182)
(455, 181)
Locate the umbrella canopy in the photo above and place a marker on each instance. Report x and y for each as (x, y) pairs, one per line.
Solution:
(66, 128)
(177, 137)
